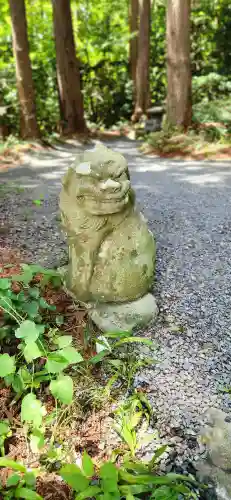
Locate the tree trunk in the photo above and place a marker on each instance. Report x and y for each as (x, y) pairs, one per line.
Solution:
(68, 74)
(28, 122)
(142, 69)
(179, 103)
(134, 26)
(4, 131)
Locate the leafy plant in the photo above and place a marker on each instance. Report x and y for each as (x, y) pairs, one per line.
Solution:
(124, 369)
(38, 357)
(128, 416)
(50, 365)
(43, 354)
(21, 483)
(5, 432)
(210, 87)
(216, 112)
(129, 480)
(21, 297)
(104, 348)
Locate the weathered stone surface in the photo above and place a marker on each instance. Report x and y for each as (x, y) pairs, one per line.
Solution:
(212, 475)
(216, 435)
(216, 468)
(124, 317)
(111, 250)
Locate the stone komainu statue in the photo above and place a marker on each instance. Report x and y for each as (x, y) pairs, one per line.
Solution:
(111, 250)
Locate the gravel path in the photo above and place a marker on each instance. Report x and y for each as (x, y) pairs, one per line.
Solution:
(187, 205)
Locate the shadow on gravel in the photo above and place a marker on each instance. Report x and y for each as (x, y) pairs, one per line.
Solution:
(45, 166)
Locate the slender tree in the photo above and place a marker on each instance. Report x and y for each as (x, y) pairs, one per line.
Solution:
(134, 26)
(142, 68)
(28, 122)
(3, 125)
(179, 106)
(68, 74)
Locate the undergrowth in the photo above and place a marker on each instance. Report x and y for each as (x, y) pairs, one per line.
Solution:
(203, 142)
(54, 381)
(209, 136)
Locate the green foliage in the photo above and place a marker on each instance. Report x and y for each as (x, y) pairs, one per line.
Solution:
(216, 115)
(21, 485)
(32, 410)
(47, 353)
(37, 440)
(38, 358)
(7, 365)
(211, 123)
(210, 87)
(127, 480)
(102, 36)
(128, 416)
(102, 39)
(221, 36)
(5, 432)
(158, 78)
(62, 389)
(218, 111)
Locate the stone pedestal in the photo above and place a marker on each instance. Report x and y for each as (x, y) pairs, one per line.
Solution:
(111, 250)
(124, 317)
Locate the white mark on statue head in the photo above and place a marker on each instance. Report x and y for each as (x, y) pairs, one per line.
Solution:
(83, 168)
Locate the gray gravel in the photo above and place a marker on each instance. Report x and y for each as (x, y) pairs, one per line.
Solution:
(187, 205)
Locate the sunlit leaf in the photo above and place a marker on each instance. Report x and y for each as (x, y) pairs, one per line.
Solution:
(63, 341)
(4, 283)
(131, 340)
(87, 465)
(7, 462)
(13, 480)
(4, 428)
(102, 344)
(135, 419)
(27, 331)
(71, 355)
(31, 351)
(74, 477)
(62, 389)
(27, 493)
(90, 492)
(98, 357)
(30, 479)
(36, 440)
(109, 476)
(7, 365)
(32, 410)
(56, 363)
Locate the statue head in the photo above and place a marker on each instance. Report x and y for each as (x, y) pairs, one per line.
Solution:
(101, 181)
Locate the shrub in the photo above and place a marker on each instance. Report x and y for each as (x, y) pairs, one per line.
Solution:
(210, 87)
